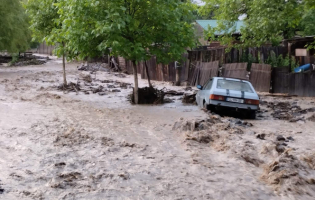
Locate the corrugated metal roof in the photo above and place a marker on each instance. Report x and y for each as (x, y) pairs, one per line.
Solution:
(213, 23)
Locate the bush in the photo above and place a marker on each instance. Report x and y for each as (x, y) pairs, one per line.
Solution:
(278, 62)
(15, 58)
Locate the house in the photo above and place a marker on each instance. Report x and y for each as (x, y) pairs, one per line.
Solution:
(297, 46)
(202, 25)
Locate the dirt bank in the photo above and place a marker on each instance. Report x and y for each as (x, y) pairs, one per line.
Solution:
(69, 145)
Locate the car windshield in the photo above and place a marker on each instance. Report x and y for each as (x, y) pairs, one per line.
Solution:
(234, 85)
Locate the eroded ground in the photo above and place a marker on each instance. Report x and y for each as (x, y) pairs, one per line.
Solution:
(57, 145)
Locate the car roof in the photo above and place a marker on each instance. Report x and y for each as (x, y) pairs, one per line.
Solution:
(231, 79)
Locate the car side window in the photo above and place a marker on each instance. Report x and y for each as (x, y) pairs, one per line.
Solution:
(209, 85)
(206, 85)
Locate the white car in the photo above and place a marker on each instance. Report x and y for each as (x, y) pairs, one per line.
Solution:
(228, 93)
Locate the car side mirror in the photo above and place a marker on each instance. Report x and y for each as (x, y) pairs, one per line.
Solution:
(199, 87)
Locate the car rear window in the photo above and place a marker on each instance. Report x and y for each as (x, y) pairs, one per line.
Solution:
(234, 85)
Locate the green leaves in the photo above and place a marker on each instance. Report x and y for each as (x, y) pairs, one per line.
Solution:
(134, 29)
(265, 21)
(14, 33)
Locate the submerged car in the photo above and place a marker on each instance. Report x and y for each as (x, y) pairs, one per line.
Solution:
(228, 93)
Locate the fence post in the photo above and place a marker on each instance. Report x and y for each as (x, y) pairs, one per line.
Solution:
(262, 58)
(178, 70)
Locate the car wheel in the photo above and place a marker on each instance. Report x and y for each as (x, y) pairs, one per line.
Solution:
(206, 106)
(251, 115)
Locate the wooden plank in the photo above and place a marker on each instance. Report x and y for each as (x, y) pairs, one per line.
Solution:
(260, 77)
(235, 70)
(207, 70)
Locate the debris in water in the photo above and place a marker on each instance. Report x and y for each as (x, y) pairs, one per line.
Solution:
(62, 164)
(280, 138)
(288, 174)
(149, 95)
(101, 93)
(280, 148)
(189, 98)
(311, 118)
(287, 111)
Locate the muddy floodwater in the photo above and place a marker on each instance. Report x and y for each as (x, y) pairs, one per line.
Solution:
(86, 145)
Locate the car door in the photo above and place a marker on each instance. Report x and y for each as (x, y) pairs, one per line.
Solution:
(204, 93)
(207, 91)
(200, 95)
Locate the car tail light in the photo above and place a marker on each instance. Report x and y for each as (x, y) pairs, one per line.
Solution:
(217, 97)
(252, 102)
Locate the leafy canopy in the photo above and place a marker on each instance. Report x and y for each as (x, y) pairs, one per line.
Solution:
(14, 33)
(133, 29)
(45, 23)
(265, 21)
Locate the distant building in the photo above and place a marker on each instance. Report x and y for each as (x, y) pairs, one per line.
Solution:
(202, 25)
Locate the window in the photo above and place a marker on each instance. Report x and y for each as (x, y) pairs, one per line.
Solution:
(208, 85)
(234, 85)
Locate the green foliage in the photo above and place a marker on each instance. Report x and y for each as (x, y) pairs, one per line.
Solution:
(294, 63)
(44, 22)
(272, 59)
(249, 58)
(308, 21)
(43, 14)
(34, 44)
(202, 12)
(15, 58)
(14, 33)
(133, 29)
(279, 61)
(283, 62)
(265, 21)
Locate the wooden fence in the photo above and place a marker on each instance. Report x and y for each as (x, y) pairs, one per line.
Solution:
(157, 71)
(280, 80)
(235, 70)
(45, 49)
(193, 63)
(300, 84)
(260, 77)
(200, 65)
(202, 72)
(258, 54)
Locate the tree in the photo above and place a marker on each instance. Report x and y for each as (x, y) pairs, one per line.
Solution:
(14, 33)
(46, 26)
(264, 20)
(308, 20)
(133, 29)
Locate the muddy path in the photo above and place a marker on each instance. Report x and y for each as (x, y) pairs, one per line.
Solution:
(89, 146)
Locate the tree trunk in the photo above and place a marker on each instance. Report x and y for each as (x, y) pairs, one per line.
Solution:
(64, 66)
(148, 75)
(135, 74)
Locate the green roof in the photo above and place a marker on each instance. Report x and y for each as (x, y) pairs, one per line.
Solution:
(213, 23)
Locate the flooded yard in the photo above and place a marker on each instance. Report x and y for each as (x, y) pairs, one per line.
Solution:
(86, 145)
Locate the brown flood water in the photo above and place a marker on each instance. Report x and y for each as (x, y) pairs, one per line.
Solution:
(67, 146)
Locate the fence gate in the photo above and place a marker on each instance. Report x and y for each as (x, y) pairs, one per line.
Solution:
(260, 76)
(235, 70)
